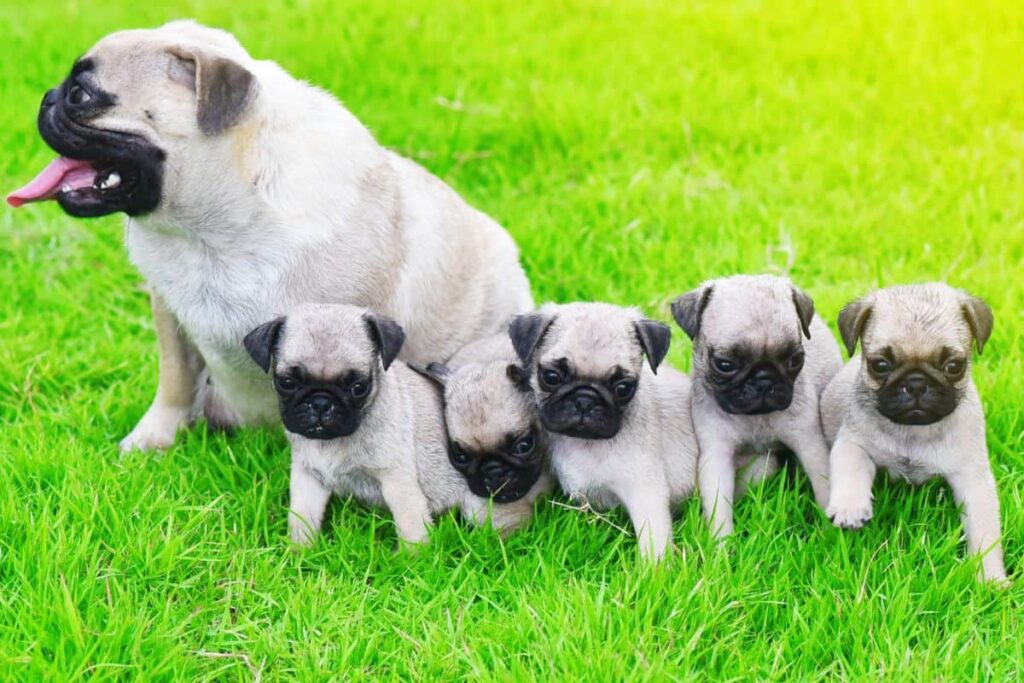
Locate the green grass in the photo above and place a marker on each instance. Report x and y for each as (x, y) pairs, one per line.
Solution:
(633, 149)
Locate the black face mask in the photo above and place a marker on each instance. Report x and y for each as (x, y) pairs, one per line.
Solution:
(504, 475)
(744, 385)
(319, 409)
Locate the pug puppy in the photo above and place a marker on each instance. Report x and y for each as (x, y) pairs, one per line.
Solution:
(495, 439)
(908, 404)
(761, 358)
(248, 192)
(619, 429)
(359, 422)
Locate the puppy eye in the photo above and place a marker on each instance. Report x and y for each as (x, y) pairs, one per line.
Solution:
(954, 368)
(724, 365)
(524, 446)
(624, 389)
(285, 383)
(459, 455)
(796, 361)
(550, 378)
(880, 366)
(77, 95)
(359, 389)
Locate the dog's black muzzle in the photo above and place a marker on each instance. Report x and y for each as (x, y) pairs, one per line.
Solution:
(583, 411)
(916, 399)
(320, 414)
(761, 391)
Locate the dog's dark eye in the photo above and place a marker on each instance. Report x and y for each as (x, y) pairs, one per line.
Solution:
(459, 455)
(954, 368)
(285, 384)
(359, 389)
(624, 389)
(724, 365)
(880, 366)
(524, 446)
(550, 378)
(796, 361)
(77, 95)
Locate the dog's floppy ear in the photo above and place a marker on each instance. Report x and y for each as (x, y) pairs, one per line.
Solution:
(261, 343)
(654, 338)
(519, 376)
(526, 331)
(387, 335)
(688, 309)
(223, 87)
(438, 373)
(979, 317)
(852, 320)
(804, 310)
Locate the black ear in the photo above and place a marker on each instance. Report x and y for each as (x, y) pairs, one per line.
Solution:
(261, 343)
(654, 338)
(435, 372)
(852, 320)
(526, 331)
(223, 88)
(804, 310)
(688, 309)
(979, 317)
(519, 376)
(387, 335)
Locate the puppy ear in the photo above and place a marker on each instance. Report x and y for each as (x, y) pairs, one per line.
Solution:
(261, 343)
(387, 335)
(438, 373)
(519, 376)
(852, 320)
(654, 338)
(979, 317)
(223, 88)
(804, 310)
(688, 309)
(526, 331)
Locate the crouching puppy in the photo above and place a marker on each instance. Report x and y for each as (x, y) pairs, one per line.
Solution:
(359, 423)
(761, 359)
(907, 404)
(495, 439)
(620, 431)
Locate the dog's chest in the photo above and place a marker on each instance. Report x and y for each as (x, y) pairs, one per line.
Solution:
(336, 469)
(589, 469)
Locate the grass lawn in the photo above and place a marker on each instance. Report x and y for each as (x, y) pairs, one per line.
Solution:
(633, 149)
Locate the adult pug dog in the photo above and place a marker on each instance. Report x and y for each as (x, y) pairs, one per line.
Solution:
(247, 192)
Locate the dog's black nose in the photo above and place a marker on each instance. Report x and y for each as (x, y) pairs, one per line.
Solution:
(584, 403)
(492, 468)
(50, 98)
(321, 404)
(915, 385)
(763, 381)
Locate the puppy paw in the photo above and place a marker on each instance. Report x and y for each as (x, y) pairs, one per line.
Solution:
(156, 430)
(849, 514)
(301, 534)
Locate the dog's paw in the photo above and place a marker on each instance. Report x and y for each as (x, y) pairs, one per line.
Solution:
(301, 534)
(156, 430)
(849, 514)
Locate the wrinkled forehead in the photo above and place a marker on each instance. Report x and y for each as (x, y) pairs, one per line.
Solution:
(593, 345)
(762, 319)
(326, 345)
(912, 329)
(483, 408)
(127, 54)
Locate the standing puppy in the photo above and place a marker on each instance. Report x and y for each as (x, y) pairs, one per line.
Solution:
(359, 422)
(908, 404)
(620, 433)
(756, 381)
(248, 192)
(495, 439)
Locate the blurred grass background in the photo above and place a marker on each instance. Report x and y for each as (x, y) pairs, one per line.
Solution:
(633, 149)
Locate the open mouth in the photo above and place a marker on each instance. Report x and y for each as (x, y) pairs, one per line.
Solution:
(75, 181)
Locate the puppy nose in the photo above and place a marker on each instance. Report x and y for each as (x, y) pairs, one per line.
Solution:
(491, 468)
(915, 385)
(763, 381)
(50, 98)
(321, 404)
(584, 403)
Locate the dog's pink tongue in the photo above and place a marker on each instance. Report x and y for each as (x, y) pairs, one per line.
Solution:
(60, 173)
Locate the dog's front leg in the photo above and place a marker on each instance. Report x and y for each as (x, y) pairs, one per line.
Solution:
(409, 508)
(975, 491)
(716, 481)
(308, 499)
(180, 368)
(649, 511)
